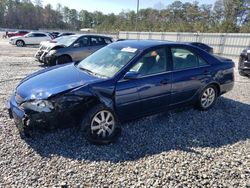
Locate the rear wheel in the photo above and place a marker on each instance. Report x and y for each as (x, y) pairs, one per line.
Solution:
(208, 98)
(20, 43)
(100, 125)
(63, 59)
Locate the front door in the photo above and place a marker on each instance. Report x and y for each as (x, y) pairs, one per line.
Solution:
(80, 49)
(151, 90)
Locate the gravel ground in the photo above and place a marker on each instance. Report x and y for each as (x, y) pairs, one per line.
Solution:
(184, 148)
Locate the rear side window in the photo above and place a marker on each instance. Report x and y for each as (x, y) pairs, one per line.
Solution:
(185, 59)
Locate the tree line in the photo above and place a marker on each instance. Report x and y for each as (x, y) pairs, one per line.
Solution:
(222, 16)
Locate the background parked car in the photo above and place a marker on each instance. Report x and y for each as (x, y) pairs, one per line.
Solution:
(70, 48)
(31, 38)
(244, 62)
(17, 33)
(203, 46)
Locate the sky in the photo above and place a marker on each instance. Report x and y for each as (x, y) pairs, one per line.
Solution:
(114, 6)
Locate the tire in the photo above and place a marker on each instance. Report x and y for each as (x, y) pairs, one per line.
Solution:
(20, 43)
(207, 98)
(63, 59)
(242, 73)
(100, 125)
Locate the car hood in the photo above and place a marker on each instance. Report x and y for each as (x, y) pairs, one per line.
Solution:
(52, 81)
(51, 45)
(16, 37)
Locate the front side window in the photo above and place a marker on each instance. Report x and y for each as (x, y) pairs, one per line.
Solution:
(185, 59)
(83, 41)
(39, 35)
(152, 63)
(107, 61)
(95, 41)
(30, 35)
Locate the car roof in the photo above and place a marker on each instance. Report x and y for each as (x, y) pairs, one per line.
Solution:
(144, 44)
(38, 32)
(92, 35)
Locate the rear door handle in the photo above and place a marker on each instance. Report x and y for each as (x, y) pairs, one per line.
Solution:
(165, 81)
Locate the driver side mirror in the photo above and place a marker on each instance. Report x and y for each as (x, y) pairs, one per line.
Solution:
(76, 45)
(131, 75)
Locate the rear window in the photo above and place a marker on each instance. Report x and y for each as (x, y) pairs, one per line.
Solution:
(23, 32)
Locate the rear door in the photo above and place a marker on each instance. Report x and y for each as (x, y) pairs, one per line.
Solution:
(190, 73)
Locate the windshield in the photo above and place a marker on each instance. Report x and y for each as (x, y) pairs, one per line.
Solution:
(66, 40)
(107, 61)
(28, 34)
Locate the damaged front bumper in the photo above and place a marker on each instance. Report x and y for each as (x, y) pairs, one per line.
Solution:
(43, 57)
(25, 122)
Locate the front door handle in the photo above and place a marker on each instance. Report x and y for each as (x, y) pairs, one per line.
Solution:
(206, 72)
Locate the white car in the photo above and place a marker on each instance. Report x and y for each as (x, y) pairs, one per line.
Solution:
(31, 38)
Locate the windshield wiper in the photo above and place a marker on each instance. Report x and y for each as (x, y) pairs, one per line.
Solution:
(87, 70)
(92, 73)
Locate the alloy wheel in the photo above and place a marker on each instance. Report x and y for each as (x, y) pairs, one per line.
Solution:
(19, 43)
(208, 97)
(103, 124)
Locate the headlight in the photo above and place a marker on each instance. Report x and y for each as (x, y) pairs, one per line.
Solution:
(38, 106)
(52, 52)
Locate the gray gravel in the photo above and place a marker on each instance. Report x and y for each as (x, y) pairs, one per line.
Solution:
(182, 148)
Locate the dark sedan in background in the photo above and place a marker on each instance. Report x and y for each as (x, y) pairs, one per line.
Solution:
(122, 81)
(70, 48)
(203, 46)
(244, 62)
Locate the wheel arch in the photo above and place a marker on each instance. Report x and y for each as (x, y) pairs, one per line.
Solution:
(65, 55)
(20, 40)
(217, 85)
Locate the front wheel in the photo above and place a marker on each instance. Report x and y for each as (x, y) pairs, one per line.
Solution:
(63, 59)
(20, 43)
(208, 98)
(100, 125)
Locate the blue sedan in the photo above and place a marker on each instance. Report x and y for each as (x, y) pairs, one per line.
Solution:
(122, 81)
